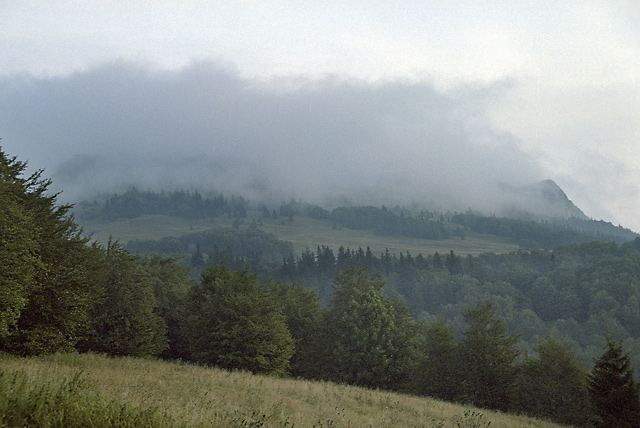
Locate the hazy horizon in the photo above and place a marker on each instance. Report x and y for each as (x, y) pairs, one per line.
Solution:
(434, 101)
(204, 126)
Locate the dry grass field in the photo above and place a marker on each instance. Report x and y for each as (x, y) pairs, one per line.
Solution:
(167, 394)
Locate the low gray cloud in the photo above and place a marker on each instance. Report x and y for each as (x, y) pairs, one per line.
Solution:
(204, 126)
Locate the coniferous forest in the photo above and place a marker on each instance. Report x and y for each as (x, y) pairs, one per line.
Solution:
(552, 330)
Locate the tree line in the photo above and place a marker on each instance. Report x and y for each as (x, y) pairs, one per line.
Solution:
(247, 244)
(396, 221)
(387, 222)
(186, 204)
(61, 292)
(577, 293)
(549, 234)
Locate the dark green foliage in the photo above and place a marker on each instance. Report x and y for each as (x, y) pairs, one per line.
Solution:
(135, 203)
(553, 386)
(453, 263)
(360, 320)
(18, 258)
(125, 321)
(289, 209)
(234, 323)
(613, 390)
(59, 293)
(437, 261)
(574, 293)
(245, 243)
(366, 332)
(316, 212)
(404, 347)
(488, 353)
(305, 321)
(439, 373)
(47, 284)
(197, 258)
(56, 315)
(171, 283)
(532, 234)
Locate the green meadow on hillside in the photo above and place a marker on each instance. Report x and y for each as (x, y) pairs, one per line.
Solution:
(304, 233)
(68, 390)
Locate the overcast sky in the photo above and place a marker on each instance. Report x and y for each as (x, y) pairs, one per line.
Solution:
(332, 96)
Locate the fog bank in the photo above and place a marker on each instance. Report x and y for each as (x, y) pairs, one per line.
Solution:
(205, 127)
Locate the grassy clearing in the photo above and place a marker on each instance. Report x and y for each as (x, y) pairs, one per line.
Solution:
(97, 391)
(304, 233)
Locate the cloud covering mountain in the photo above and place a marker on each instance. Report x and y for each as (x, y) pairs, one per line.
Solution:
(204, 126)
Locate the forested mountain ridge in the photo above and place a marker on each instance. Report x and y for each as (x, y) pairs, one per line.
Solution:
(541, 216)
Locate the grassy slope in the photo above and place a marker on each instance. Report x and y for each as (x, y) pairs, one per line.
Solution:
(185, 395)
(304, 233)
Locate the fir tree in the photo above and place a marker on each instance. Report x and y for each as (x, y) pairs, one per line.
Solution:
(613, 391)
(47, 271)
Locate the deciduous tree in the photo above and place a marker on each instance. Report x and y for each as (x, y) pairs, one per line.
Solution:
(234, 323)
(171, 283)
(125, 321)
(439, 373)
(553, 386)
(367, 348)
(488, 352)
(305, 321)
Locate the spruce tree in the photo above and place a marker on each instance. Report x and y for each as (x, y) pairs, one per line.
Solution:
(17, 257)
(48, 270)
(613, 390)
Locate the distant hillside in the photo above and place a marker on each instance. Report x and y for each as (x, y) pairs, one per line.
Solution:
(548, 234)
(539, 201)
(540, 216)
(245, 243)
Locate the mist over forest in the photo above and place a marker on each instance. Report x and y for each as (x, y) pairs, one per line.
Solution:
(205, 127)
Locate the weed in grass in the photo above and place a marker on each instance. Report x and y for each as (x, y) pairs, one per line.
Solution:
(470, 419)
(257, 420)
(260, 420)
(363, 397)
(437, 423)
(338, 421)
